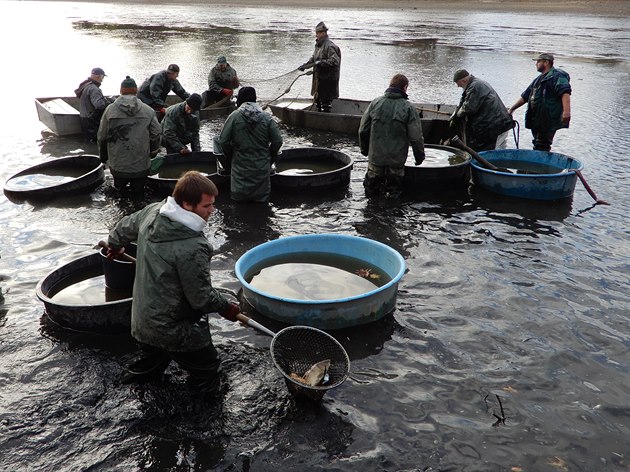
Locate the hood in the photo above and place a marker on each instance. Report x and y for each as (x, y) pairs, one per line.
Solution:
(395, 92)
(175, 223)
(251, 112)
(84, 84)
(128, 104)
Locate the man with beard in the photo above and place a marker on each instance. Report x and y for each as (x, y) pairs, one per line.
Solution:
(326, 64)
(222, 80)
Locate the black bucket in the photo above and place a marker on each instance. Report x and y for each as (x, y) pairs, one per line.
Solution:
(119, 273)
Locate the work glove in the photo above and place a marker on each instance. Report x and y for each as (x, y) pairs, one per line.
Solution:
(184, 151)
(227, 91)
(419, 158)
(162, 111)
(230, 312)
(301, 68)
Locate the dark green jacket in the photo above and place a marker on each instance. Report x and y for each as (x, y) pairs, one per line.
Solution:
(179, 129)
(172, 289)
(487, 116)
(154, 90)
(218, 79)
(250, 140)
(388, 127)
(544, 100)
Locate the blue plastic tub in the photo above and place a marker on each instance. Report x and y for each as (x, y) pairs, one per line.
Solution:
(551, 179)
(325, 314)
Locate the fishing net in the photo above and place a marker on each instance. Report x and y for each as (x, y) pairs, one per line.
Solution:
(293, 84)
(296, 348)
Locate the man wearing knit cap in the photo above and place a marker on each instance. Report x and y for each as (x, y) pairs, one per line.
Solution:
(250, 140)
(487, 120)
(154, 90)
(222, 80)
(180, 126)
(548, 100)
(92, 103)
(128, 136)
(326, 64)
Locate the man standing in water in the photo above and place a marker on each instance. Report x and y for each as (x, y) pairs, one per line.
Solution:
(127, 137)
(173, 290)
(92, 103)
(154, 90)
(250, 140)
(548, 100)
(326, 64)
(222, 80)
(487, 120)
(180, 126)
(389, 125)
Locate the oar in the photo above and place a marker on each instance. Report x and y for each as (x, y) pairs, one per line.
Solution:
(264, 107)
(220, 103)
(455, 141)
(588, 187)
(124, 255)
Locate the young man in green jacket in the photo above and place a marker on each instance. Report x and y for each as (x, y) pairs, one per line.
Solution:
(388, 127)
(173, 291)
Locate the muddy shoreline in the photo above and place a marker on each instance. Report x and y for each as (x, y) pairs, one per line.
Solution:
(620, 8)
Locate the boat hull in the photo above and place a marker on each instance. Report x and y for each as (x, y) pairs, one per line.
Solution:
(551, 186)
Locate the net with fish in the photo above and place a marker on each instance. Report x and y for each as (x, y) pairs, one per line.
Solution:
(296, 349)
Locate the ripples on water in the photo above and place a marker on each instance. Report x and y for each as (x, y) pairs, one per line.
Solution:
(527, 301)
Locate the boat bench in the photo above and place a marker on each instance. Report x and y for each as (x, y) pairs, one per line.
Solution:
(59, 106)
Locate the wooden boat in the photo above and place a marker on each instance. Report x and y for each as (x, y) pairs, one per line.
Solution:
(444, 167)
(172, 166)
(59, 177)
(311, 169)
(537, 175)
(61, 114)
(109, 312)
(346, 114)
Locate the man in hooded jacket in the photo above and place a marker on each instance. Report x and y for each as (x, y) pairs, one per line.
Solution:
(127, 137)
(326, 64)
(173, 290)
(92, 103)
(388, 127)
(250, 140)
(180, 126)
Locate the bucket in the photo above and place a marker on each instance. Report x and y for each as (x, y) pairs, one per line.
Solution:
(223, 166)
(119, 274)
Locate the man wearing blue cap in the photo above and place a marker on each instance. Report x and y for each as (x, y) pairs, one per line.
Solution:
(548, 100)
(92, 103)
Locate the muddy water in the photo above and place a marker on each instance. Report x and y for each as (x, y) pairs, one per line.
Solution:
(509, 346)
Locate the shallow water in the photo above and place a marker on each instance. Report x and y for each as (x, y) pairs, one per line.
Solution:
(526, 302)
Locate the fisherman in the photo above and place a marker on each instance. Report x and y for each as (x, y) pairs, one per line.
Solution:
(222, 81)
(180, 126)
(173, 291)
(388, 127)
(129, 134)
(92, 103)
(326, 64)
(155, 89)
(487, 120)
(250, 141)
(548, 100)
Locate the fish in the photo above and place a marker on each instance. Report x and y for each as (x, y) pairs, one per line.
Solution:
(316, 375)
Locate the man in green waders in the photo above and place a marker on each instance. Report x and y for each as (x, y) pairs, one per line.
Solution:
(173, 291)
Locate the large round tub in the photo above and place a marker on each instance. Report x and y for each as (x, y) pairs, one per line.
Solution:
(324, 314)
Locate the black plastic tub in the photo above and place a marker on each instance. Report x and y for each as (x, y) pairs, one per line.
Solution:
(162, 181)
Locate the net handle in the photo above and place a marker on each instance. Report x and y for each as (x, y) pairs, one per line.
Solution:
(254, 324)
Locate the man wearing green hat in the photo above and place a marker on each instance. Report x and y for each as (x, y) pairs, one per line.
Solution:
(487, 120)
(222, 80)
(548, 100)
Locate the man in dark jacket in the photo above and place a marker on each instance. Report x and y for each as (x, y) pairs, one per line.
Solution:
(389, 125)
(180, 126)
(173, 291)
(129, 134)
(92, 103)
(548, 100)
(326, 64)
(250, 141)
(222, 80)
(154, 90)
(487, 119)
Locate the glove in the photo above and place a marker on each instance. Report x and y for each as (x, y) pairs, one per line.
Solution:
(184, 151)
(227, 91)
(162, 111)
(420, 159)
(301, 68)
(230, 313)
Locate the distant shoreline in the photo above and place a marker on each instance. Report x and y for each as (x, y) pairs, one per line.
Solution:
(620, 8)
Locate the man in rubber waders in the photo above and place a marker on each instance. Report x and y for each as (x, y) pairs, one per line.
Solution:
(326, 64)
(92, 103)
(487, 119)
(180, 126)
(222, 81)
(173, 291)
(388, 127)
(154, 90)
(548, 100)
